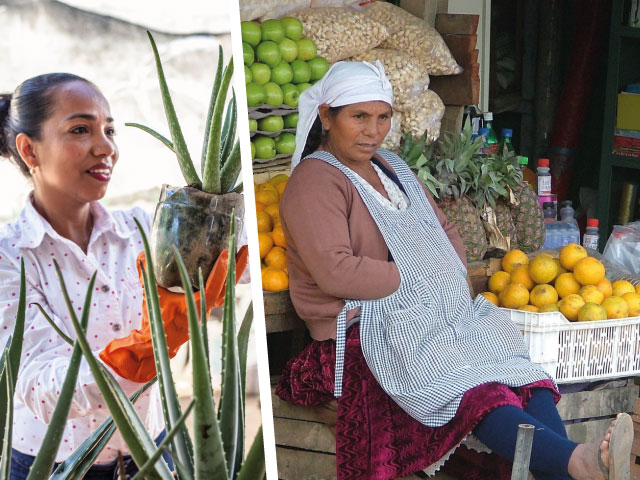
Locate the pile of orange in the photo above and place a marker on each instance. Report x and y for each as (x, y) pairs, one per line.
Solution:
(273, 254)
(573, 284)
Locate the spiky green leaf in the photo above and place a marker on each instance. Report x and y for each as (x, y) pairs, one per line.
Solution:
(253, 467)
(212, 103)
(166, 142)
(5, 461)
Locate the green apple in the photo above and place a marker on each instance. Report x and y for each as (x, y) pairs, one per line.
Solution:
(268, 52)
(272, 123)
(319, 66)
(261, 73)
(251, 33)
(255, 94)
(285, 143)
(248, 76)
(306, 49)
(302, 87)
(265, 147)
(253, 151)
(292, 27)
(282, 73)
(291, 120)
(248, 55)
(288, 50)
(291, 94)
(272, 29)
(253, 124)
(301, 71)
(275, 96)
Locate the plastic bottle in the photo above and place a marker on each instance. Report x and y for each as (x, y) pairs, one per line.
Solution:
(483, 132)
(551, 239)
(505, 141)
(527, 174)
(492, 138)
(569, 228)
(591, 236)
(543, 177)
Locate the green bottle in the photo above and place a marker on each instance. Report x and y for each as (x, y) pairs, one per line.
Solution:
(492, 138)
(505, 141)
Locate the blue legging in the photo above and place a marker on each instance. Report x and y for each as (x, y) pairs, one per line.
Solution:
(551, 448)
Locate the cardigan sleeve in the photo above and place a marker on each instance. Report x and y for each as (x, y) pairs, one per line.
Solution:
(315, 213)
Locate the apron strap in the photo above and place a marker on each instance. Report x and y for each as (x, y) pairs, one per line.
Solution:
(341, 340)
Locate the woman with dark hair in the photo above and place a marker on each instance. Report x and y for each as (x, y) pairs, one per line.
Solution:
(57, 128)
(379, 276)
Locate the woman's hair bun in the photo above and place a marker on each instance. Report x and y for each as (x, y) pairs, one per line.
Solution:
(5, 104)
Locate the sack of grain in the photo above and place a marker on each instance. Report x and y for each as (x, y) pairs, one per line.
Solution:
(426, 114)
(392, 140)
(264, 9)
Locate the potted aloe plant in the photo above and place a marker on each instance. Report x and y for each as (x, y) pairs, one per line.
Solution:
(196, 218)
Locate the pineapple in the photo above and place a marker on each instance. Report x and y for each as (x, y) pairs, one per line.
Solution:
(528, 219)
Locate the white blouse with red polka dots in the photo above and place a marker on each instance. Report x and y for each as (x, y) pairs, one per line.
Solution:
(116, 309)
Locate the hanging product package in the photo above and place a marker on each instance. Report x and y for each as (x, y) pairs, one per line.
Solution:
(623, 247)
(198, 224)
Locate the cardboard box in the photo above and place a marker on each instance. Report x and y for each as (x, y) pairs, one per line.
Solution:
(628, 111)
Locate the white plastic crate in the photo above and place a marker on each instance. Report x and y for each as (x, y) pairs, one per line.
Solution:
(581, 351)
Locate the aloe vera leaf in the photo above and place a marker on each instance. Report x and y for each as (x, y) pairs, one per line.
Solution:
(153, 133)
(231, 169)
(165, 441)
(203, 319)
(243, 346)
(43, 463)
(5, 351)
(179, 144)
(213, 165)
(133, 431)
(231, 413)
(83, 457)
(5, 462)
(229, 128)
(209, 453)
(254, 466)
(168, 394)
(239, 188)
(53, 324)
(15, 349)
(212, 103)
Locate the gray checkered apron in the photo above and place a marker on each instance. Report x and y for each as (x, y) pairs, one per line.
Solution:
(429, 342)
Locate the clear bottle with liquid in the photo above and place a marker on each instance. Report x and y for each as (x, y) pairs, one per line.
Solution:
(569, 228)
(483, 132)
(552, 237)
(591, 236)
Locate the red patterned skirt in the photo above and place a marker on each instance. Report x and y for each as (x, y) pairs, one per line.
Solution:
(375, 438)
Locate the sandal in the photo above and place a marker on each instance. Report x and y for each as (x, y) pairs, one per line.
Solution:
(619, 449)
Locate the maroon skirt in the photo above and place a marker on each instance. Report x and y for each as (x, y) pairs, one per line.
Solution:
(375, 438)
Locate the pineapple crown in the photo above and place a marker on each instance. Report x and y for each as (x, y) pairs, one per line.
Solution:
(499, 174)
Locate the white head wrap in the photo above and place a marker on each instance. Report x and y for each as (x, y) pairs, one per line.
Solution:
(345, 83)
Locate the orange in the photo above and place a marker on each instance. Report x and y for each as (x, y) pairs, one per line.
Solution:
(515, 295)
(491, 297)
(264, 221)
(260, 206)
(633, 302)
(280, 187)
(620, 287)
(543, 294)
(571, 254)
(616, 307)
(274, 279)
(265, 242)
(591, 312)
(520, 274)
(589, 271)
(281, 177)
(638, 289)
(498, 281)
(267, 196)
(273, 210)
(278, 236)
(561, 269)
(513, 258)
(277, 257)
(543, 269)
(591, 294)
(529, 308)
(605, 287)
(552, 307)
(566, 284)
(570, 306)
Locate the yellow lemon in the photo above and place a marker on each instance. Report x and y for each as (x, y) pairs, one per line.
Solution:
(278, 236)
(561, 269)
(591, 294)
(543, 269)
(620, 287)
(265, 242)
(264, 221)
(515, 295)
(566, 284)
(490, 296)
(498, 281)
(543, 294)
(280, 186)
(513, 258)
(552, 307)
(638, 289)
(281, 177)
(616, 307)
(592, 312)
(267, 196)
(571, 254)
(529, 308)
(605, 287)
(520, 274)
(273, 210)
(571, 305)
(588, 271)
(633, 302)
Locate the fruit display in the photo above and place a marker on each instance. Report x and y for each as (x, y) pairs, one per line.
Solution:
(271, 240)
(573, 284)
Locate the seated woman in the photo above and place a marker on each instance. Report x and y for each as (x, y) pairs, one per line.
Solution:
(378, 274)
(58, 130)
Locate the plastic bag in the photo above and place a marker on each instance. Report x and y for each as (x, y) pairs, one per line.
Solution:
(264, 9)
(407, 75)
(341, 33)
(623, 247)
(332, 3)
(392, 140)
(412, 35)
(426, 114)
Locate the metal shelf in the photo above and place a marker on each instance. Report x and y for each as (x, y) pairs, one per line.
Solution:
(624, 161)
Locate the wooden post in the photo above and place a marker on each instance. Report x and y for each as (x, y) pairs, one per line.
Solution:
(524, 441)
